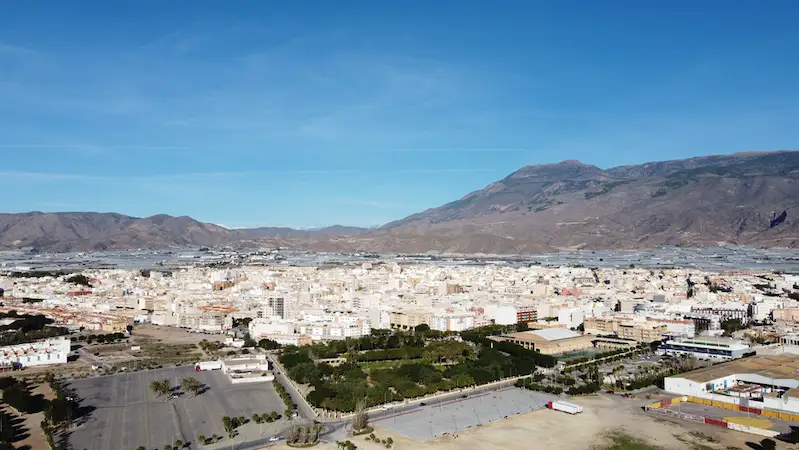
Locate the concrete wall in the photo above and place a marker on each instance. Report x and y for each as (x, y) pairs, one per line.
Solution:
(258, 379)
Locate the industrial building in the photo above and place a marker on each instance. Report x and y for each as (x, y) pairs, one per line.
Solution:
(49, 351)
(550, 341)
(762, 382)
(711, 348)
(247, 370)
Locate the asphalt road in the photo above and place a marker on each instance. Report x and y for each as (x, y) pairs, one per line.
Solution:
(303, 408)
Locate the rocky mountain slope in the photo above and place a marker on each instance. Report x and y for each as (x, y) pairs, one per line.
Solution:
(737, 199)
(726, 198)
(80, 231)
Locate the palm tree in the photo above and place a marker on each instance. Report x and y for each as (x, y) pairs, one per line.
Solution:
(202, 439)
(141, 447)
(214, 437)
(192, 385)
(167, 447)
(160, 387)
(155, 387)
(178, 444)
(360, 420)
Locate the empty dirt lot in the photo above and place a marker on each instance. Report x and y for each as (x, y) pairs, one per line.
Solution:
(553, 430)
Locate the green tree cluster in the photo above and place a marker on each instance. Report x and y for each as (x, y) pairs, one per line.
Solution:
(79, 279)
(108, 338)
(193, 385)
(208, 440)
(265, 417)
(339, 388)
(303, 435)
(160, 388)
(231, 423)
(268, 344)
(730, 326)
(284, 395)
(346, 445)
(391, 354)
(17, 394)
(529, 384)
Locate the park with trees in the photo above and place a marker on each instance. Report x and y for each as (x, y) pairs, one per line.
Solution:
(425, 362)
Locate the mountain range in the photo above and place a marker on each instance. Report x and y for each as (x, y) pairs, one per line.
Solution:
(743, 198)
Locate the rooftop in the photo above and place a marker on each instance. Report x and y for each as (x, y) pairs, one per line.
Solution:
(712, 343)
(243, 361)
(553, 334)
(784, 366)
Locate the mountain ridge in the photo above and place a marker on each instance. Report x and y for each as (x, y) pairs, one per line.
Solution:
(703, 200)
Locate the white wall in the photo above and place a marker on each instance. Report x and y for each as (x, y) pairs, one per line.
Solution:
(504, 315)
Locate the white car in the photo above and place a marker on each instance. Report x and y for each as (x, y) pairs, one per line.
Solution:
(274, 439)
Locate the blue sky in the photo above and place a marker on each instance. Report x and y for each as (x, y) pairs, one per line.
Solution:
(310, 113)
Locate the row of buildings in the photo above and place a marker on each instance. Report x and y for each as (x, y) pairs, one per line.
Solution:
(299, 305)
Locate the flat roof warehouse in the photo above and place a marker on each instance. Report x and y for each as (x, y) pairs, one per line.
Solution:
(768, 383)
(776, 367)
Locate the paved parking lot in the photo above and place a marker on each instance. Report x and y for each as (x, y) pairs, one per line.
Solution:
(430, 421)
(128, 415)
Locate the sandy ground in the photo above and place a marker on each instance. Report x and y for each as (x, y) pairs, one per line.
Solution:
(149, 334)
(551, 430)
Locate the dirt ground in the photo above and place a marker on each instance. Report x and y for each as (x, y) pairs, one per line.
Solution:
(551, 430)
(32, 422)
(150, 334)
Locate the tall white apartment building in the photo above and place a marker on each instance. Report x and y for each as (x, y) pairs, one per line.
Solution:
(335, 331)
(455, 321)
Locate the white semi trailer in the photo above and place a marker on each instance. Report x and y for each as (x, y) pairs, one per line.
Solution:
(208, 365)
(560, 405)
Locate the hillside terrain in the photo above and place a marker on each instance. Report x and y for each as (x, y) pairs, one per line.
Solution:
(748, 199)
(697, 201)
(80, 231)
